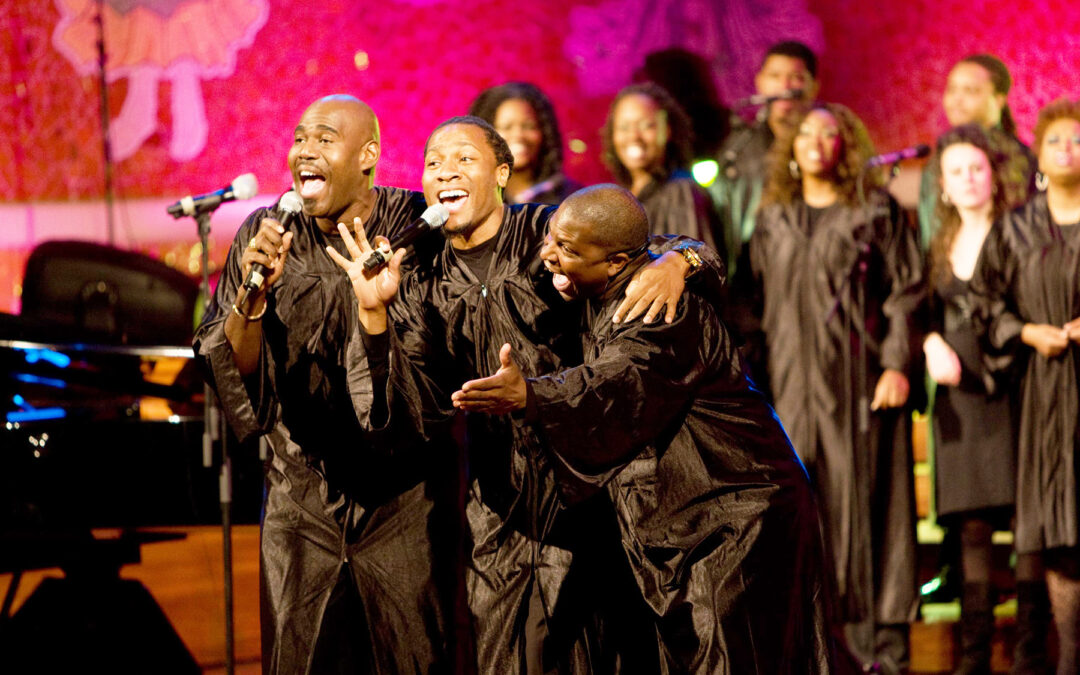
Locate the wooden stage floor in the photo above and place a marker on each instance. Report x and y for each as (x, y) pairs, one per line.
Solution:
(185, 578)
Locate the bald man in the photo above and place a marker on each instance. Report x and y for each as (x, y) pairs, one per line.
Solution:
(348, 559)
(714, 507)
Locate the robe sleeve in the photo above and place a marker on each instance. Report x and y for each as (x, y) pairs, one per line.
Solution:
(631, 394)
(415, 362)
(996, 318)
(248, 402)
(688, 210)
(711, 279)
(907, 289)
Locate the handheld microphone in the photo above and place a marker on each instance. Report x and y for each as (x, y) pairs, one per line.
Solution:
(288, 206)
(242, 187)
(765, 99)
(431, 219)
(914, 152)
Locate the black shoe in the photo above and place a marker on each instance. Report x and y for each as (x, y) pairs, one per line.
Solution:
(976, 629)
(1032, 624)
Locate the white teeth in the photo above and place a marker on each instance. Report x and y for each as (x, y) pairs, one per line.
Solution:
(635, 152)
(308, 174)
(452, 194)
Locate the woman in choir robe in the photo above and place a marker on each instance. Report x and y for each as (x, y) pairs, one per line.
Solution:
(647, 149)
(973, 424)
(1028, 302)
(525, 117)
(840, 284)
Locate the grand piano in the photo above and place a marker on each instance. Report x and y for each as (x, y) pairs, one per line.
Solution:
(101, 426)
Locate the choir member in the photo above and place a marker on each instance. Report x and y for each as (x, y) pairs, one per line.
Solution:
(525, 117)
(1027, 292)
(787, 67)
(840, 284)
(647, 149)
(357, 549)
(714, 507)
(973, 424)
(976, 92)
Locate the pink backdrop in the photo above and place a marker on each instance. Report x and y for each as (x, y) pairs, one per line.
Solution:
(203, 90)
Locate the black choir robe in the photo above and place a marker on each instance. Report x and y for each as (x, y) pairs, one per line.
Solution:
(338, 513)
(679, 205)
(1029, 272)
(715, 510)
(447, 328)
(806, 276)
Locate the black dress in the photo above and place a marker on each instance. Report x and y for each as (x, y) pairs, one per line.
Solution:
(974, 428)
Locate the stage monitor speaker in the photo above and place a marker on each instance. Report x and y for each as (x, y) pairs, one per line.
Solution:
(87, 292)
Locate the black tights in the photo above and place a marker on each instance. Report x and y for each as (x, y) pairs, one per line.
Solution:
(976, 549)
(1061, 570)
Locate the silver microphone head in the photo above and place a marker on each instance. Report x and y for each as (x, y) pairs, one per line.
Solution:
(245, 186)
(436, 215)
(290, 202)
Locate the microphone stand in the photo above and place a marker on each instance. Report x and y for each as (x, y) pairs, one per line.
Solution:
(110, 226)
(213, 432)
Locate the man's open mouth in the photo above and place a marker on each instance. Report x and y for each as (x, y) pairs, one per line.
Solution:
(311, 184)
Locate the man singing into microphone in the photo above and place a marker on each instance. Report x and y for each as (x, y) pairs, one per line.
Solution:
(357, 561)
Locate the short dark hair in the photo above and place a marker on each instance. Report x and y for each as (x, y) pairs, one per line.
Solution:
(795, 50)
(496, 142)
(679, 151)
(550, 155)
(617, 219)
(1059, 109)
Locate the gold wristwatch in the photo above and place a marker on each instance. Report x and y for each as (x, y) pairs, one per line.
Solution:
(690, 255)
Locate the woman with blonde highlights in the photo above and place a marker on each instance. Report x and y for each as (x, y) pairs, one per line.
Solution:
(840, 283)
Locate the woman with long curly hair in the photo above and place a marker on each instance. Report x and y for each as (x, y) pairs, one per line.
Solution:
(839, 285)
(525, 117)
(973, 423)
(647, 148)
(1027, 292)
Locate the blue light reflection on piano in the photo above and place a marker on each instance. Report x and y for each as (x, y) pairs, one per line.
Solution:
(36, 379)
(32, 414)
(33, 355)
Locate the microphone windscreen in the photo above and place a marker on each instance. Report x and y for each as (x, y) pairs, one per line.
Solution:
(290, 202)
(435, 215)
(245, 186)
